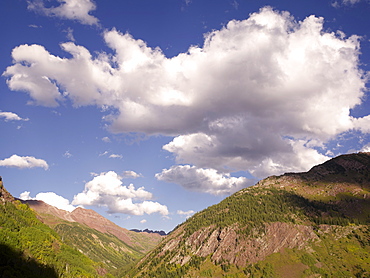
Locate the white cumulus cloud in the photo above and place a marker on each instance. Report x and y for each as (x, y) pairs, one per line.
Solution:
(10, 116)
(50, 198)
(259, 95)
(107, 190)
(203, 180)
(68, 9)
(24, 162)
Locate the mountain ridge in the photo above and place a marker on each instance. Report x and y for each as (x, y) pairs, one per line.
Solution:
(94, 220)
(284, 226)
(162, 233)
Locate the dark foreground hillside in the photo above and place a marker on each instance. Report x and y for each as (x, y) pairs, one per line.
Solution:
(314, 224)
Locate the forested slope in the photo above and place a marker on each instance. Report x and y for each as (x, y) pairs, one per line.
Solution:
(30, 248)
(287, 226)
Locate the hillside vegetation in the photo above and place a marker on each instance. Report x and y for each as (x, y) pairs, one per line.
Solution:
(95, 236)
(99, 247)
(313, 224)
(287, 226)
(29, 248)
(64, 248)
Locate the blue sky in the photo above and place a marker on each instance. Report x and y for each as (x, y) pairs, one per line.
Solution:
(148, 111)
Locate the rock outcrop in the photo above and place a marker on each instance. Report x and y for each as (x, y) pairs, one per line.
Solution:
(5, 196)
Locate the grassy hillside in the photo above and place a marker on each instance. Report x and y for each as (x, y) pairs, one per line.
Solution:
(99, 247)
(314, 224)
(31, 249)
(95, 236)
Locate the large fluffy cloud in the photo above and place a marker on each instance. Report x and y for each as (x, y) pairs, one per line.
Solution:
(68, 9)
(203, 180)
(107, 190)
(24, 162)
(259, 95)
(262, 154)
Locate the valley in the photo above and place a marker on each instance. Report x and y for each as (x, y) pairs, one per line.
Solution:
(291, 225)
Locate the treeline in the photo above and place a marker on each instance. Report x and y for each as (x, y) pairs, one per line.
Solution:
(29, 248)
(257, 206)
(249, 210)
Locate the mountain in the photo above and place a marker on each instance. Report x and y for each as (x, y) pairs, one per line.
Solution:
(95, 236)
(162, 233)
(29, 248)
(312, 224)
(143, 241)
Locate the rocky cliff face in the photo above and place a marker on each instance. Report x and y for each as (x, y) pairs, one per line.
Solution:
(5, 196)
(289, 225)
(228, 245)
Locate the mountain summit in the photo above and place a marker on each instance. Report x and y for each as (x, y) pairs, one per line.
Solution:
(292, 225)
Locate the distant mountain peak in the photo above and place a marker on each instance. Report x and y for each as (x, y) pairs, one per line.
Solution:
(162, 233)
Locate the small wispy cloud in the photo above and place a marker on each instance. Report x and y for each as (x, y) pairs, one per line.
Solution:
(187, 213)
(34, 26)
(235, 4)
(116, 156)
(113, 155)
(337, 4)
(69, 34)
(131, 174)
(67, 154)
